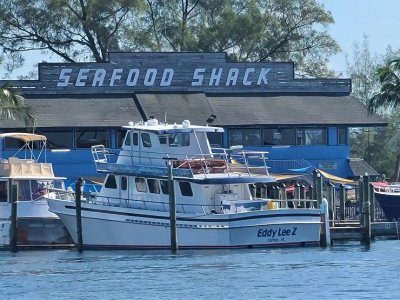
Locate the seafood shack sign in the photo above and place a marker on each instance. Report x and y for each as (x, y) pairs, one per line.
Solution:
(176, 72)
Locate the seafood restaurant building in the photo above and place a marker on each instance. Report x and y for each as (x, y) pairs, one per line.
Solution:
(303, 123)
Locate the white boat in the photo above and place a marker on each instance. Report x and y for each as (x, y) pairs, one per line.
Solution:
(35, 183)
(214, 205)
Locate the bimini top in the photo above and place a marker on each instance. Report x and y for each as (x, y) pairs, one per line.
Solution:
(152, 125)
(26, 137)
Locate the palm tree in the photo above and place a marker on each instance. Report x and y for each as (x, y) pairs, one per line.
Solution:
(13, 106)
(389, 95)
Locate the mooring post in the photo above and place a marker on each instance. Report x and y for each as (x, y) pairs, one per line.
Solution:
(318, 187)
(331, 202)
(172, 209)
(14, 220)
(78, 206)
(366, 211)
(372, 202)
(325, 235)
(342, 202)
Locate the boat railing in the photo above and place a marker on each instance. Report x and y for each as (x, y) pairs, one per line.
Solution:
(391, 189)
(219, 160)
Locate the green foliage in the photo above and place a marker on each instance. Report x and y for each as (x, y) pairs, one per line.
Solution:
(13, 106)
(389, 95)
(248, 30)
(378, 146)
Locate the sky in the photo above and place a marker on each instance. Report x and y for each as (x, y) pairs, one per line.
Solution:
(378, 19)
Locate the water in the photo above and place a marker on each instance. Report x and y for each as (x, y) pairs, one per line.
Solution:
(343, 271)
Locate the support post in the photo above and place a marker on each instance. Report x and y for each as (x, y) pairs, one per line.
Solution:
(318, 187)
(283, 196)
(14, 220)
(172, 209)
(366, 211)
(372, 202)
(78, 206)
(342, 201)
(331, 204)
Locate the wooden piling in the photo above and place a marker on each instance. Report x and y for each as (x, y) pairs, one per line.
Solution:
(318, 187)
(172, 209)
(78, 206)
(331, 201)
(365, 212)
(342, 202)
(14, 220)
(372, 207)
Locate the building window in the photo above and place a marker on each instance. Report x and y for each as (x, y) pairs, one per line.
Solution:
(146, 141)
(154, 188)
(88, 138)
(342, 136)
(278, 136)
(111, 182)
(186, 188)
(124, 183)
(164, 186)
(245, 137)
(311, 136)
(141, 185)
(179, 140)
(59, 139)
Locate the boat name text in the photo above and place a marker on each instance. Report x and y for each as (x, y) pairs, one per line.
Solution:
(164, 78)
(271, 233)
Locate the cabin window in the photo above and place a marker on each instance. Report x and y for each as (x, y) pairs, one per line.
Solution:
(179, 140)
(164, 186)
(124, 183)
(162, 139)
(24, 190)
(141, 185)
(146, 141)
(215, 139)
(111, 182)
(186, 189)
(135, 139)
(3, 191)
(154, 188)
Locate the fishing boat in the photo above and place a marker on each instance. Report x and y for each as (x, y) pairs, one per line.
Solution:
(214, 205)
(388, 197)
(34, 183)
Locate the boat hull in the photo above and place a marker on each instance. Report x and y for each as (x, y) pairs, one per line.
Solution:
(390, 204)
(118, 228)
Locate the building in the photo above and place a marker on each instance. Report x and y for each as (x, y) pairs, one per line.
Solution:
(302, 123)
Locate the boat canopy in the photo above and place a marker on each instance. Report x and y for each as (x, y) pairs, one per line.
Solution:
(26, 137)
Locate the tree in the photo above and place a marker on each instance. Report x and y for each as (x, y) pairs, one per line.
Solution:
(248, 30)
(13, 106)
(389, 95)
(362, 71)
(73, 29)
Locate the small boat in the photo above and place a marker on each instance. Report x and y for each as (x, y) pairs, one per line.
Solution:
(35, 183)
(388, 197)
(214, 205)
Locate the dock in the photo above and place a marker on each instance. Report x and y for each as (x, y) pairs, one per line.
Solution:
(344, 231)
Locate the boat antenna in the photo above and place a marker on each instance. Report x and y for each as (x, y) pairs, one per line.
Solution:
(165, 117)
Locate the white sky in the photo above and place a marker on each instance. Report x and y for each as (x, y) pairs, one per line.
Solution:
(378, 19)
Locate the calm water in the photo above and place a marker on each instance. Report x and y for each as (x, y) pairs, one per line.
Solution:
(344, 271)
